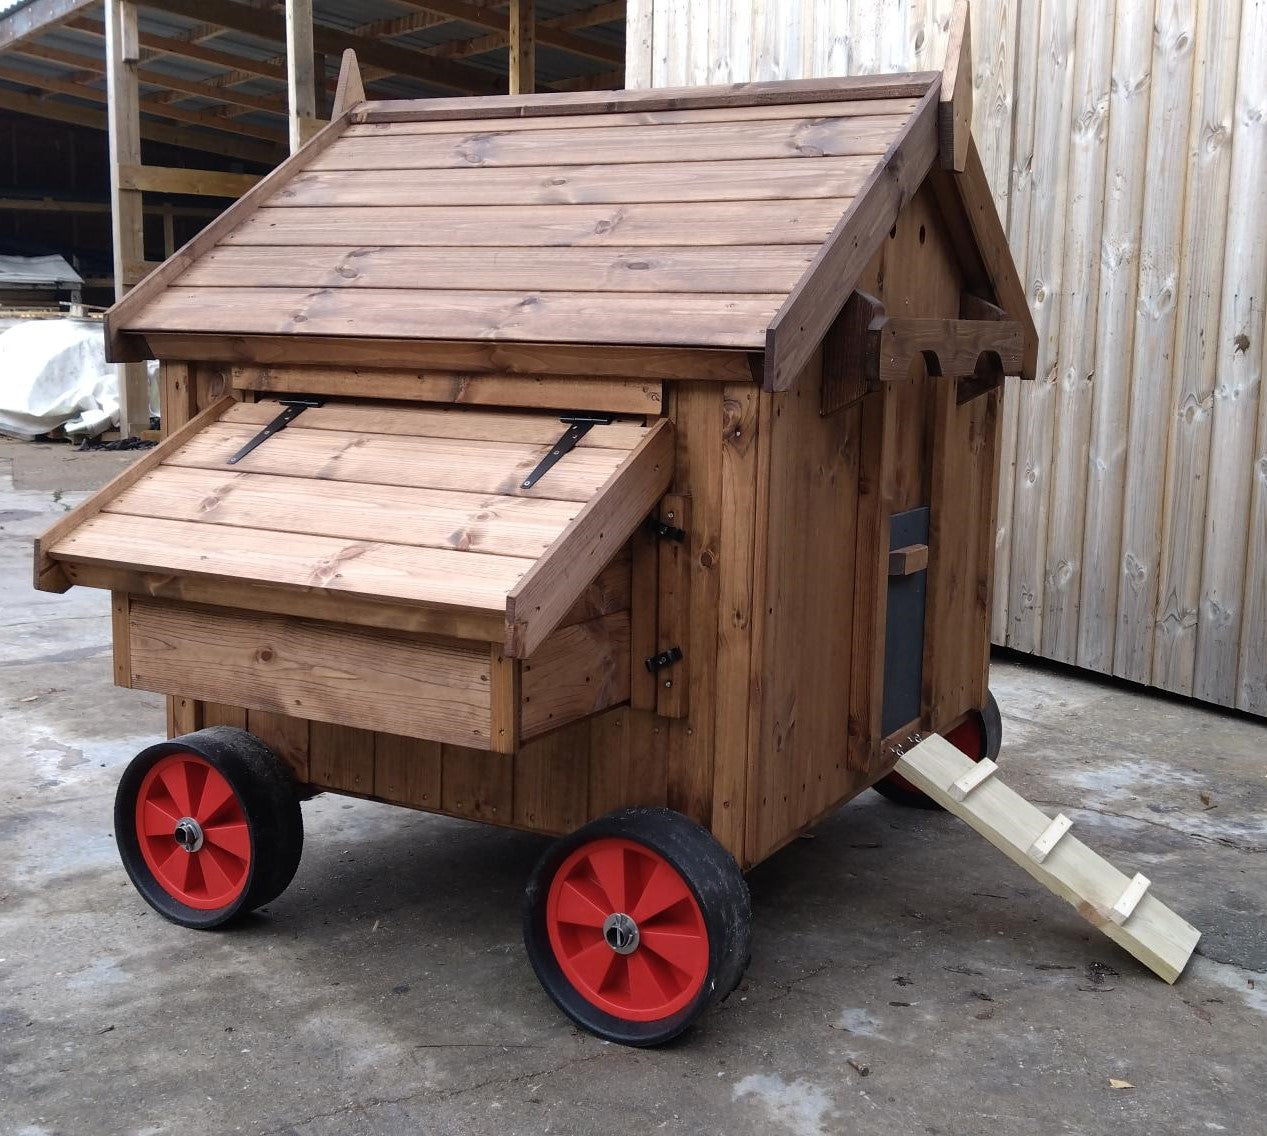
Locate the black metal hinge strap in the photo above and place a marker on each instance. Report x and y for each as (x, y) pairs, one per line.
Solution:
(294, 408)
(578, 426)
(664, 659)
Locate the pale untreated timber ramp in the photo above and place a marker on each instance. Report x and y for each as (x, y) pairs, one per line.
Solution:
(1124, 909)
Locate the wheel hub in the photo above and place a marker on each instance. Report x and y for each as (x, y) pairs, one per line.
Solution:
(188, 834)
(621, 933)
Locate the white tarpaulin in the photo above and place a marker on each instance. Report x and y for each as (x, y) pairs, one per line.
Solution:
(48, 271)
(54, 373)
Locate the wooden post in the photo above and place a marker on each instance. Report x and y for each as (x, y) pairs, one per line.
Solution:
(523, 48)
(128, 235)
(301, 85)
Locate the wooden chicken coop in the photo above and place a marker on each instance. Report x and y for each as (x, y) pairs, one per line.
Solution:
(530, 458)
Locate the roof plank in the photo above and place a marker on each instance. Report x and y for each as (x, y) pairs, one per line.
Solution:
(678, 319)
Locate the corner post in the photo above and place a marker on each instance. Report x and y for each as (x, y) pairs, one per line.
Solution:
(128, 236)
(523, 47)
(301, 75)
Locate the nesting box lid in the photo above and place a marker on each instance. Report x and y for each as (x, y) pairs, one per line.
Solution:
(712, 217)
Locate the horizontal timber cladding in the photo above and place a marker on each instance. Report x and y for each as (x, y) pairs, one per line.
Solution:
(627, 184)
(369, 123)
(328, 673)
(764, 268)
(684, 224)
(697, 319)
(800, 221)
(805, 137)
(615, 396)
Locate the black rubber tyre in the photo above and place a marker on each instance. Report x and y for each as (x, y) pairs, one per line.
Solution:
(979, 736)
(263, 798)
(701, 864)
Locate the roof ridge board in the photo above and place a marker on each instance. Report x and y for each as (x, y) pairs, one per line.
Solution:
(912, 85)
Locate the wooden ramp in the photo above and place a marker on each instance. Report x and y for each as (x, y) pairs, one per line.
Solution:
(1124, 909)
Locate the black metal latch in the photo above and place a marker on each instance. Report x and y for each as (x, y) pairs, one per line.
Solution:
(578, 426)
(294, 408)
(664, 530)
(664, 659)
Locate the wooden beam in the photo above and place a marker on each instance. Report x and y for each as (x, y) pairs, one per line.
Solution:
(90, 64)
(123, 52)
(954, 113)
(392, 58)
(196, 183)
(165, 45)
(32, 19)
(152, 106)
(75, 115)
(523, 47)
(350, 89)
(301, 79)
(552, 33)
(63, 205)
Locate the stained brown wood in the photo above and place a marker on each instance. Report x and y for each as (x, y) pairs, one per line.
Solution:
(675, 319)
(673, 608)
(549, 360)
(643, 631)
(407, 770)
(845, 372)
(577, 672)
(908, 560)
(504, 690)
(613, 396)
(591, 539)
(427, 689)
(806, 137)
(350, 90)
(617, 183)
(737, 269)
(341, 757)
(120, 349)
(808, 312)
(954, 118)
(477, 784)
(847, 108)
(49, 577)
(951, 347)
(119, 606)
(551, 781)
(663, 99)
(796, 221)
(287, 736)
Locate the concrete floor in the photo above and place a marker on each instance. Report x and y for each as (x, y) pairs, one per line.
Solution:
(906, 978)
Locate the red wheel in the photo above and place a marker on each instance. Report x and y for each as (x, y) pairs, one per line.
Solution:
(193, 832)
(627, 930)
(979, 735)
(635, 923)
(208, 826)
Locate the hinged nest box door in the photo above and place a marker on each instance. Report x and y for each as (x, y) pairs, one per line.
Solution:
(446, 574)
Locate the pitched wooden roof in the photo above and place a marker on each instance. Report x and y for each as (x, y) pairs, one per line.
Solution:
(716, 217)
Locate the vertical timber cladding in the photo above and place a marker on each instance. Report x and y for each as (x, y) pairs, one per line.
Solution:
(831, 486)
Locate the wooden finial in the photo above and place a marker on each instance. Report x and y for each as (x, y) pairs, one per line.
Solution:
(350, 90)
(954, 115)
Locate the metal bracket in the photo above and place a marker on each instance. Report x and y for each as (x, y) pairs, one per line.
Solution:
(664, 659)
(578, 426)
(294, 408)
(664, 530)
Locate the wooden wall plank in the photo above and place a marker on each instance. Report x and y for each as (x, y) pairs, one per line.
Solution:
(1074, 360)
(1191, 393)
(407, 770)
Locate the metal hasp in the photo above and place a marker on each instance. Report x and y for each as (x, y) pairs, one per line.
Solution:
(578, 426)
(664, 530)
(294, 408)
